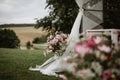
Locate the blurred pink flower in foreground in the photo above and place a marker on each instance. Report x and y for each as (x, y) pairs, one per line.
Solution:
(106, 75)
(98, 39)
(82, 49)
(91, 42)
(85, 74)
(104, 48)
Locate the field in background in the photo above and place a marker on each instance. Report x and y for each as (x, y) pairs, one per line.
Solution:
(27, 33)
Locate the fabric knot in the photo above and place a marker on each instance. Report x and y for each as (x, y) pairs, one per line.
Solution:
(81, 9)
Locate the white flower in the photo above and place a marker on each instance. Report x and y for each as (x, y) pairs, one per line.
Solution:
(97, 68)
(85, 74)
(98, 40)
(102, 57)
(97, 53)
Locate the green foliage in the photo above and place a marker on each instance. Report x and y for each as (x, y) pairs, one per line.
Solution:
(8, 39)
(28, 45)
(89, 57)
(15, 63)
(61, 16)
(39, 40)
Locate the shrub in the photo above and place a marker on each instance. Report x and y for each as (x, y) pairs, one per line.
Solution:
(38, 40)
(28, 45)
(8, 39)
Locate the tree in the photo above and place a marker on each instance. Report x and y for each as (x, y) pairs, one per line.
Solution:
(61, 16)
(8, 39)
(38, 40)
(63, 13)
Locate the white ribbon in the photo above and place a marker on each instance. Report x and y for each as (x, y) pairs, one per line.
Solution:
(74, 35)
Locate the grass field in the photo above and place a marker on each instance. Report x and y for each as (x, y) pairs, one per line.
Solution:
(14, 64)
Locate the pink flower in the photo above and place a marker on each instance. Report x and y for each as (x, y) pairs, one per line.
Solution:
(116, 32)
(54, 41)
(104, 48)
(106, 75)
(63, 77)
(82, 49)
(59, 37)
(83, 72)
(91, 42)
(50, 37)
(98, 40)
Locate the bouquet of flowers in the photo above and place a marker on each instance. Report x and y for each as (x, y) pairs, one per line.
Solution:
(56, 43)
(95, 59)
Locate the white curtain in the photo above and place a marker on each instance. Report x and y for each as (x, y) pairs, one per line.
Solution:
(56, 63)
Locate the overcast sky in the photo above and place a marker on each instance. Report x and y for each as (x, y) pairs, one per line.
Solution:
(21, 11)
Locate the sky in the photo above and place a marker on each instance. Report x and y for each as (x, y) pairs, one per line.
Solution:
(22, 11)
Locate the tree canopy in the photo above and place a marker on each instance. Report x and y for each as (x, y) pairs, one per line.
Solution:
(61, 16)
(63, 13)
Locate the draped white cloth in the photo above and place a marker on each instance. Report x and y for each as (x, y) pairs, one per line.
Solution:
(56, 63)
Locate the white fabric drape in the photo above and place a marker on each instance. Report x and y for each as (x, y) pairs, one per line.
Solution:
(56, 63)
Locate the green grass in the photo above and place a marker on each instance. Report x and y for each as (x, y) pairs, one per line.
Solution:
(14, 64)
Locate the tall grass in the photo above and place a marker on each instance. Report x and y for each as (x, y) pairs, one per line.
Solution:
(14, 64)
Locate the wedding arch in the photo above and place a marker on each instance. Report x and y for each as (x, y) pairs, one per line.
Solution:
(89, 16)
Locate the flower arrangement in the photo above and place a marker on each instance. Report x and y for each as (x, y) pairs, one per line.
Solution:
(56, 43)
(95, 59)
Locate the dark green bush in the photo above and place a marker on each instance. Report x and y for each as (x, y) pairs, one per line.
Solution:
(8, 39)
(28, 45)
(38, 40)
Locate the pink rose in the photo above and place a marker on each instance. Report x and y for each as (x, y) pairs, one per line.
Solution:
(54, 41)
(106, 75)
(82, 49)
(104, 48)
(59, 37)
(98, 40)
(91, 42)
